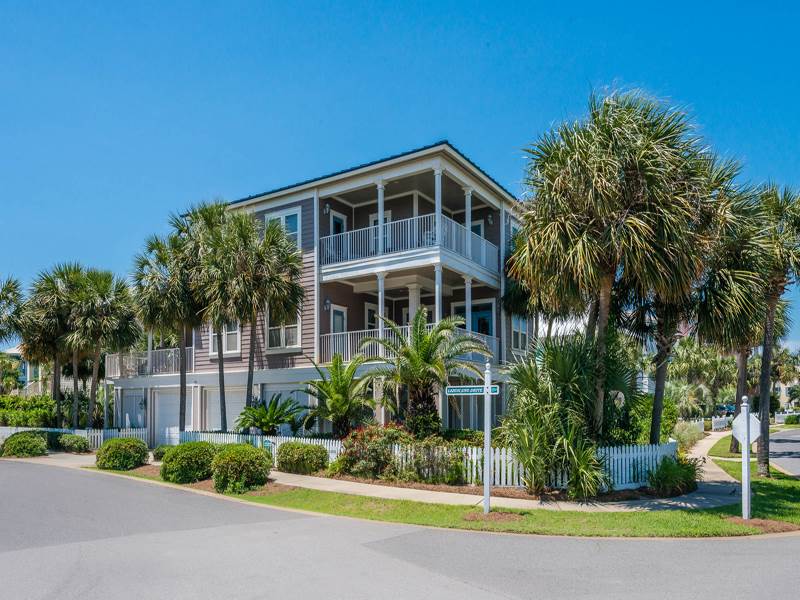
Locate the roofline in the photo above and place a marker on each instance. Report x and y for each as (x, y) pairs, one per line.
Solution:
(442, 144)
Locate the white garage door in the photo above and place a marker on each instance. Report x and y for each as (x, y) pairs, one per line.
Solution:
(167, 417)
(234, 405)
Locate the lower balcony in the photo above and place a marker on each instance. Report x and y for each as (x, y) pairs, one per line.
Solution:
(165, 361)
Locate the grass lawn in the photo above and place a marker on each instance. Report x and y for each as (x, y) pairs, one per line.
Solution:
(776, 498)
(722, 447)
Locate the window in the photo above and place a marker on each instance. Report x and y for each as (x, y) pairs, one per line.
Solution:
(230, 339)
(284, 334)
(290, 220)
(519, 333)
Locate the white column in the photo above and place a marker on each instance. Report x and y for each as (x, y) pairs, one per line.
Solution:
(381, 189)
(438, 292)
(317, 307)
(150, 352)
(381, 302)
(468, 218)
(413, 300)
(437, 187)
(503, 337)
(468, 303)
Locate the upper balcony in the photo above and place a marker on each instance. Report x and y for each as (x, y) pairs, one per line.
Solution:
(165, 361)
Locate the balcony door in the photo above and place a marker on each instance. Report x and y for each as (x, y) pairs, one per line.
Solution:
(387, 237)
(482, 316)
(340, 343)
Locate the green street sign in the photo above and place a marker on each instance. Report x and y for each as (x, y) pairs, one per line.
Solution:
(471, 390)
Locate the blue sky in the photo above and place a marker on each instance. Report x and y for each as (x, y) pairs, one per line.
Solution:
(111, 117)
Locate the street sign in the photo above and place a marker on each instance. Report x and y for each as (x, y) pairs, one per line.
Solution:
(471, 390)
(738, 427)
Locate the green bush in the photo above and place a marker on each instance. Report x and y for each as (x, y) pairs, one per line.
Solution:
(424, 424)
(686, 434)
(122, 454)
(430, 461)
(674, 477)
(792, 420)
(73, 443)
(237, 468)
(304, 459)
(707, 425)
(367, 451)
(189, 462)
(24, 443)
(469, 437)
(160, 451)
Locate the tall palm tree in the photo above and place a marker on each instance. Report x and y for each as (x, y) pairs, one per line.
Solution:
(423, 360)
(782, 228)
(104, 317)
(265, 272)
(603, 203)
(342, 397)
(10, 299)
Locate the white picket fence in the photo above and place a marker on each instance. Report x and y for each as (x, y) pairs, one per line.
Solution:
(96, 437)
(627, 466)
(780, 418)
(696, 423)
(720, 423)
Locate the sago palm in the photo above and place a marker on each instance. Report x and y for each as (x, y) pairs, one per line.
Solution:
(342, 397)
(269, 416)
(423, 360)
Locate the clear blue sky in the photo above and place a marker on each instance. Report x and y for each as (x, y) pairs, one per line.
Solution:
(111, 117)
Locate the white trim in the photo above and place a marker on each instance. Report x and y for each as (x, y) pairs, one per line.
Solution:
(502, 251)
(283, 347)
(342, 309)
(282, 214)
(404, 317)
(374, 306)
(331, 215)
(316, 276)
(225, 332)
(492, 301)
(482, 224)
(520, 330)
(387, 218)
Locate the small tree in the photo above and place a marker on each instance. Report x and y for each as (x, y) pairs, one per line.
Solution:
(342, 397)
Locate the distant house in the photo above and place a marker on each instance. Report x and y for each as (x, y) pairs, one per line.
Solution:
(28, 371)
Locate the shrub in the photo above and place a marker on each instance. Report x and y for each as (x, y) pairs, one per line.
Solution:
(707, 425)
(424, 424)
(121, 454)
(792, 420)
(73, 443)
(431, 460)
(160, 451)
(189, 462)
(367, 451)
(240, 467)
(686, 434)
(25, 443)
(469, 437)
(304, 459)
(673, 476)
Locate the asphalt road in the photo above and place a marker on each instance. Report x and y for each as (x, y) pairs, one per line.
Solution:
(67, 533)
(784, 450)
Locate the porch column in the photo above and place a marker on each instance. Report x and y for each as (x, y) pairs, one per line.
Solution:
(381, 302)
(438, 292)
(413, 300)
(468, 218)
(437, 195)
(150, 352)
(381, 189)
(468, 303)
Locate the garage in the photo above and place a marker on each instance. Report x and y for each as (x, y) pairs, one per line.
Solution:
(234, 405)
(167, 416)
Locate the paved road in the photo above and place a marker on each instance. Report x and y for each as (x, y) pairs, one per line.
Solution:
(66, 533)
(784, 449)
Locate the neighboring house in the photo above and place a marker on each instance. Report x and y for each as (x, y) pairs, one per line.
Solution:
(28, 371)
(442, 244)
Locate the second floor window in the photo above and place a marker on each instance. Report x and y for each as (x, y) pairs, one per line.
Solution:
(284, 334)
(290, 220)
(519, 333)
(230, 339)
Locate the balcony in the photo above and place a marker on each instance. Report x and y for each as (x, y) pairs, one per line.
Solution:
(348, 344)
(136, 364)
(416, 233)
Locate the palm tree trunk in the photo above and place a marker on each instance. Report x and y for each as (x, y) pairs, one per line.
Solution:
(550, 325)
(93, 390)
(764, 386)
(664, 336)
(223, 419)
(536, 326)
(182, 379)
(603, 311)
(251, 360)
(57, 389)
(591, 323)
(75, 405)
(741, 389)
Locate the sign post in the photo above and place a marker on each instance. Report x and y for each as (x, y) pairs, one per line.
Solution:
(487, 436)
(746, 429)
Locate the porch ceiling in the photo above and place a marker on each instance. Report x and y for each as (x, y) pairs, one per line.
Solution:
(397, 282)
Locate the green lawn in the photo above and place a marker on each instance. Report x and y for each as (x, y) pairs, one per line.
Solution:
(721, 448)
(777, 497)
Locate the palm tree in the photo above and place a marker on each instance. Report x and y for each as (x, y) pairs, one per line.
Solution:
(104, 316)
(603, 204)
(782, 228)
(341, 396)
(10, 299)
(422, 361)
(265, 272)
(269, 416)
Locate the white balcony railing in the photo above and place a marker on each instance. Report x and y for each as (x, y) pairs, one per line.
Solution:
(348, 344)
(135, 364)
(408, 234)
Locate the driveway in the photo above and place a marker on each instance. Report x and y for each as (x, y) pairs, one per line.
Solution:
(67, 533)
(784, 450)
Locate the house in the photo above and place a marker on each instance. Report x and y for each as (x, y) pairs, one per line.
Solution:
(426, 227)
(28, 371)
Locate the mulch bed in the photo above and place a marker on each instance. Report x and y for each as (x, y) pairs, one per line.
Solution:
(148, 471)
(766, 525)
(207, 485)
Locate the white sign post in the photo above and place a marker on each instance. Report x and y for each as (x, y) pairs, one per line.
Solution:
(487, 436)
(747, 429)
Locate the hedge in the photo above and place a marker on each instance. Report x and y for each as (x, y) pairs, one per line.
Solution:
(240, 467)
(73, 443)
(300, 458)
(189, 462)
(25, 443)
(122, 454)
